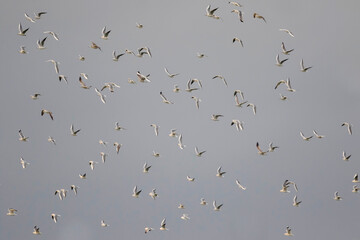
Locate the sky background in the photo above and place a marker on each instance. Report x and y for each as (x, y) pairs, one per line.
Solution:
(175, 31)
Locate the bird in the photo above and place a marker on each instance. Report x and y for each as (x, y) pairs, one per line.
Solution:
(216, 207)
(55, 36)
(185, 216)
(287, 31)
(82, 176)
(94, 46)
(54, 217)
(280, 62)
(22, 32)
(146, 168)
(164, 99)
(22, 50)
(136, 192)
(36, 230)
(235, 4)
(305, 138)
(172, 133)
(239, 13)
(63, 192)
(83, 85)
(235, 39)
(181, 206)
(189, 89)
(59, 193)
(92, 164)
(196, 80)
(282, 97)
(156, 154)
(43, 111)
(317, 135)
(105, 34)
(215, 117)
(74, 188)
(138, 25)
(238, 124)
(148, 229)
(345, 157)
(38, 14)
(163, 225)
(295, 202)
(271, 147)
(355, 178)
(200, 55)
(253, 107)
(51, 140)
(81, 58)
(355, 189)
(239, 185)
(288, 231)
(103, 224)
(72, 131)
(110, 85)
(176, 89)
(101, 142)
(237, 102)
(197, 101)
(171, 75)
(259, 150)
(199, 154)
(11, 212)
(190, 179)
(41, 43)
(23, 163)
(63, 77)
(35, 96)
(116, 56)
(284, 50)
(29, 18)
(286, 185)
(219, 173)
(203, 202)
(153, 194)
(102, 96)
(349, 126)
(144, 50)
(255, 15)
(84, 75)
(103, 156)
(302, 68)
(180, 144)
(118, 127)
(337, 197)
(22, 137)
(220, 77)
(117, 147)
(156, 128)
(210, 12)
(142, 78)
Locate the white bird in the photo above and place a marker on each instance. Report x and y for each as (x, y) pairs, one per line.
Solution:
(239, 185)
(237, 102)
(38, 15)
(176, 89)
(220, 77)
(103, 224)
(215, 117)
(302, 68)
(199, 154)
(22, 50)
(83, 85)
(29, 18)
(235, 39)
(337, 197)
(200, 55)
(216, 207)
(288, 231)
(189, 89)
(138, 25)
(73, 132)
(92, 164)
(51, 140)
(81, 58)
(348, 125)
(55, 36)
(259, 149)
(196, 80)
(284, 50)
(181, 206)
(345, 157)
(36, 230)
(170, 74)
(203, 202)
(355, 178)
(59, 193)
(146, 168)
(56, 65)
(11, 212)
(286, 185)
(102, 96)
(239, 13)
(287, 31)
(43, 111)
(63, 192)
(180, 144)
(185, 216)
(117, 147)
(164, 99)
(82, 176)
(74, 188)
(295, 202)
(54, 217)
(305, 138)
(156, 154)
(355, 189)
(63, 77)
(280, 62)
(144, 50)
(118, 127)
(101, 142)
(136, 192)
(271, 147)
(110, 86)
(210, 12)
(148, 229)
(282, 97)
(235, 4)
(255, 15)
(103, 156)
(252, 106)
(153, 194)
(190, 179)
(94, 46)
(163, 225)
(23, 163)
(197, 101)
(22, 137)
(105, 34)
(317, 135)
(156, 128)
(238, 124)
(41, 43)
(219, 173)
(22, 32)
(172, 133)
(35, 96)
(142, 78)
(116, 56)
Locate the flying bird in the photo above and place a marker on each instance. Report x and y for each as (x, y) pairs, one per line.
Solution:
(36, 230)
(197, 101)
(74, 132)
(163, 225)
(103, 224)
(117, 147)
(41, 43)
(35, 96)
(92, 164)
(288, 231)
(239, 13)
(180, 144)
(148, 229)
(23, 163)
(189, 89)
(239, 185)
(51, 140)
(63, 77)
(156, 154)
(238, 124)
(102, 96)
(295, 202)
(302, 68)
(355, 189)
(284, 50)
(317, 135)
(282, 97)
(252, 106)
(235, 39)
(116, 56)
(237, 101)
(138, 25)
(203, 202)
(190, 179)
(103, 156)
(210, 12)
(261, 152)
(337, 197)
(22, 137)
(118, 127)
(11, 212)
(43, 111)
(199, 154)
(287, 31)
(136, 192)
(280, 62)
(216, 207)
(235, 4)
(164, 99)
(156, 128)
(355, 178)
(345, 157)
(305, 138)
(142, 78)
(82, 176)
(74, 188)
(220, 77)
(29, 18)
(146, 168)
(153, 194)
(56, 65)
(255, 15)
(54, 217)
(176, 89)
(219, 173)
(172, 133)
(271, 147)
(171, 75)
(349, 126)
(215, 117)
(94, 46)
(55, 36)
(185, 216)
(22, 50)
(105, 34)
(38, 14)
(22, 32)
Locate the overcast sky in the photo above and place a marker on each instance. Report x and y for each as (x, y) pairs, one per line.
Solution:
(327, 95)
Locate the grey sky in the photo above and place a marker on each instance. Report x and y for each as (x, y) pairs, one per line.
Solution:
(175, 31)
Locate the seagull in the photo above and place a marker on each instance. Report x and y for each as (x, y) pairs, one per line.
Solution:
(279, 82)
(164, 99)
(197, 101)
(156, 128)
(210, 12)
(237, 102)
(29, 18)
(190, 179)
(52, 34)
(105, 33)
(92, 164)
(287, 31)
(148, 229)
(153, 194)
(317, 135)
(74, 188)
(348, 127)
(235, 39)
(282, 97)
(356, 178)
(81, 58)
(84, 75)
(286, 185)
(73, 132)
(271, 147)
(172, 133)
(337, 197)
(305, 138)
(288, 231)
(138, 25)
(110, 86)
(219, 173)
(11, 212)
(355, 189)
(239, 13)
(22, 138)
(116, 57)
(216, 207)
(129, 52)
(239, 185)
(23, 163)
(288, 84)
(259, 150)
(144, 50)
(63, 192)
(238, 124)
(280, 62)
(146, 168)
(255, 15)
(63, 77)
(56, 66)
(36, 231)
(52, 140)
(199, 154)
(201, 55)
(176, 89)
(54, 217)
(189, 89)
(35, 96)
(345, 158)
(181, 206)
(180, 144)
(38, 15)
(60, 194)
(101, 142)
(235, 4)
(94, 46)
(21, 31)
(215, 117)
(163, 225)
(118, 127)
(82, 176)
(156, 154)
(185, 216)
(302, 68)
(131, 81)
(41, 43)
(221, 77)
(103, 224)
(170, 74)
(103, 157)
(253, 107)
(203, 202)
(22, 50)
(136, 193)
(284, 51)
(142, 78)
(117, 147)
(43, 111)
(295, 202)
(102, 96)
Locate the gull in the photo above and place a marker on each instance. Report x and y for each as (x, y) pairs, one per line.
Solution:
(302, 68)
(271, 147)
(305, 138)
(148, 229)
(60, 194)
(235, 4)
(102, 96)
(337, 197)
(216, 207)
(81, 58)
(156, 154)
(118, 127)
(170, 74)
(201, 55)
(317, 135)
(180, 144)
(131, 81)
(38, 15)
(56, 66)
(92, 164)
(181, 206)
(199, 154)
(103, 157)
(172, 133)
(287, 31)
(142, 78)
(203, 202)
(23, 163)
(239, 185)
(279, 82)
(94, 46)
(239, 13)
(238, 124)
(136, 193)
(35, 96)
(196, 80)
(146, 51)
(282, 97)
(84, 75)
(190, 179)
(255, 15)
(197, 101)
(63, 192)
(52, 34)
(286, 185)
(156, 128)
(185, 216)
(146, 168)
(52, 140)
(74, 188)
(103, 224)
(280, 62)
(11, 212)
(356, 178)
(235, 39)
(355, 189)
(36, 231)
(219, 173)
(117, 147)
(47, 112)
(63, 77)
(22, 138)
(22, 50)
(105, 33)
(163, 225)
(153, 194)
(344, 157)
(54, 217)
(221, 77)
(72, 131)
(82, 176)
(284, 51)
(41, 43)
(189, 89)
(295, 202)
(259, 150)
(116, 57)
(348, 127)
(129, 52)
(138, 25)
(288, 231)
(29, 18)
(164, 99)
(253, 107)
(288, 84)
(237, 102)
(176, 89)
(110, 86)
(21, 31)
(210, 12)
(215, 117)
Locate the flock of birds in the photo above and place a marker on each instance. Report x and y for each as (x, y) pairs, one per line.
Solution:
(192, 86)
